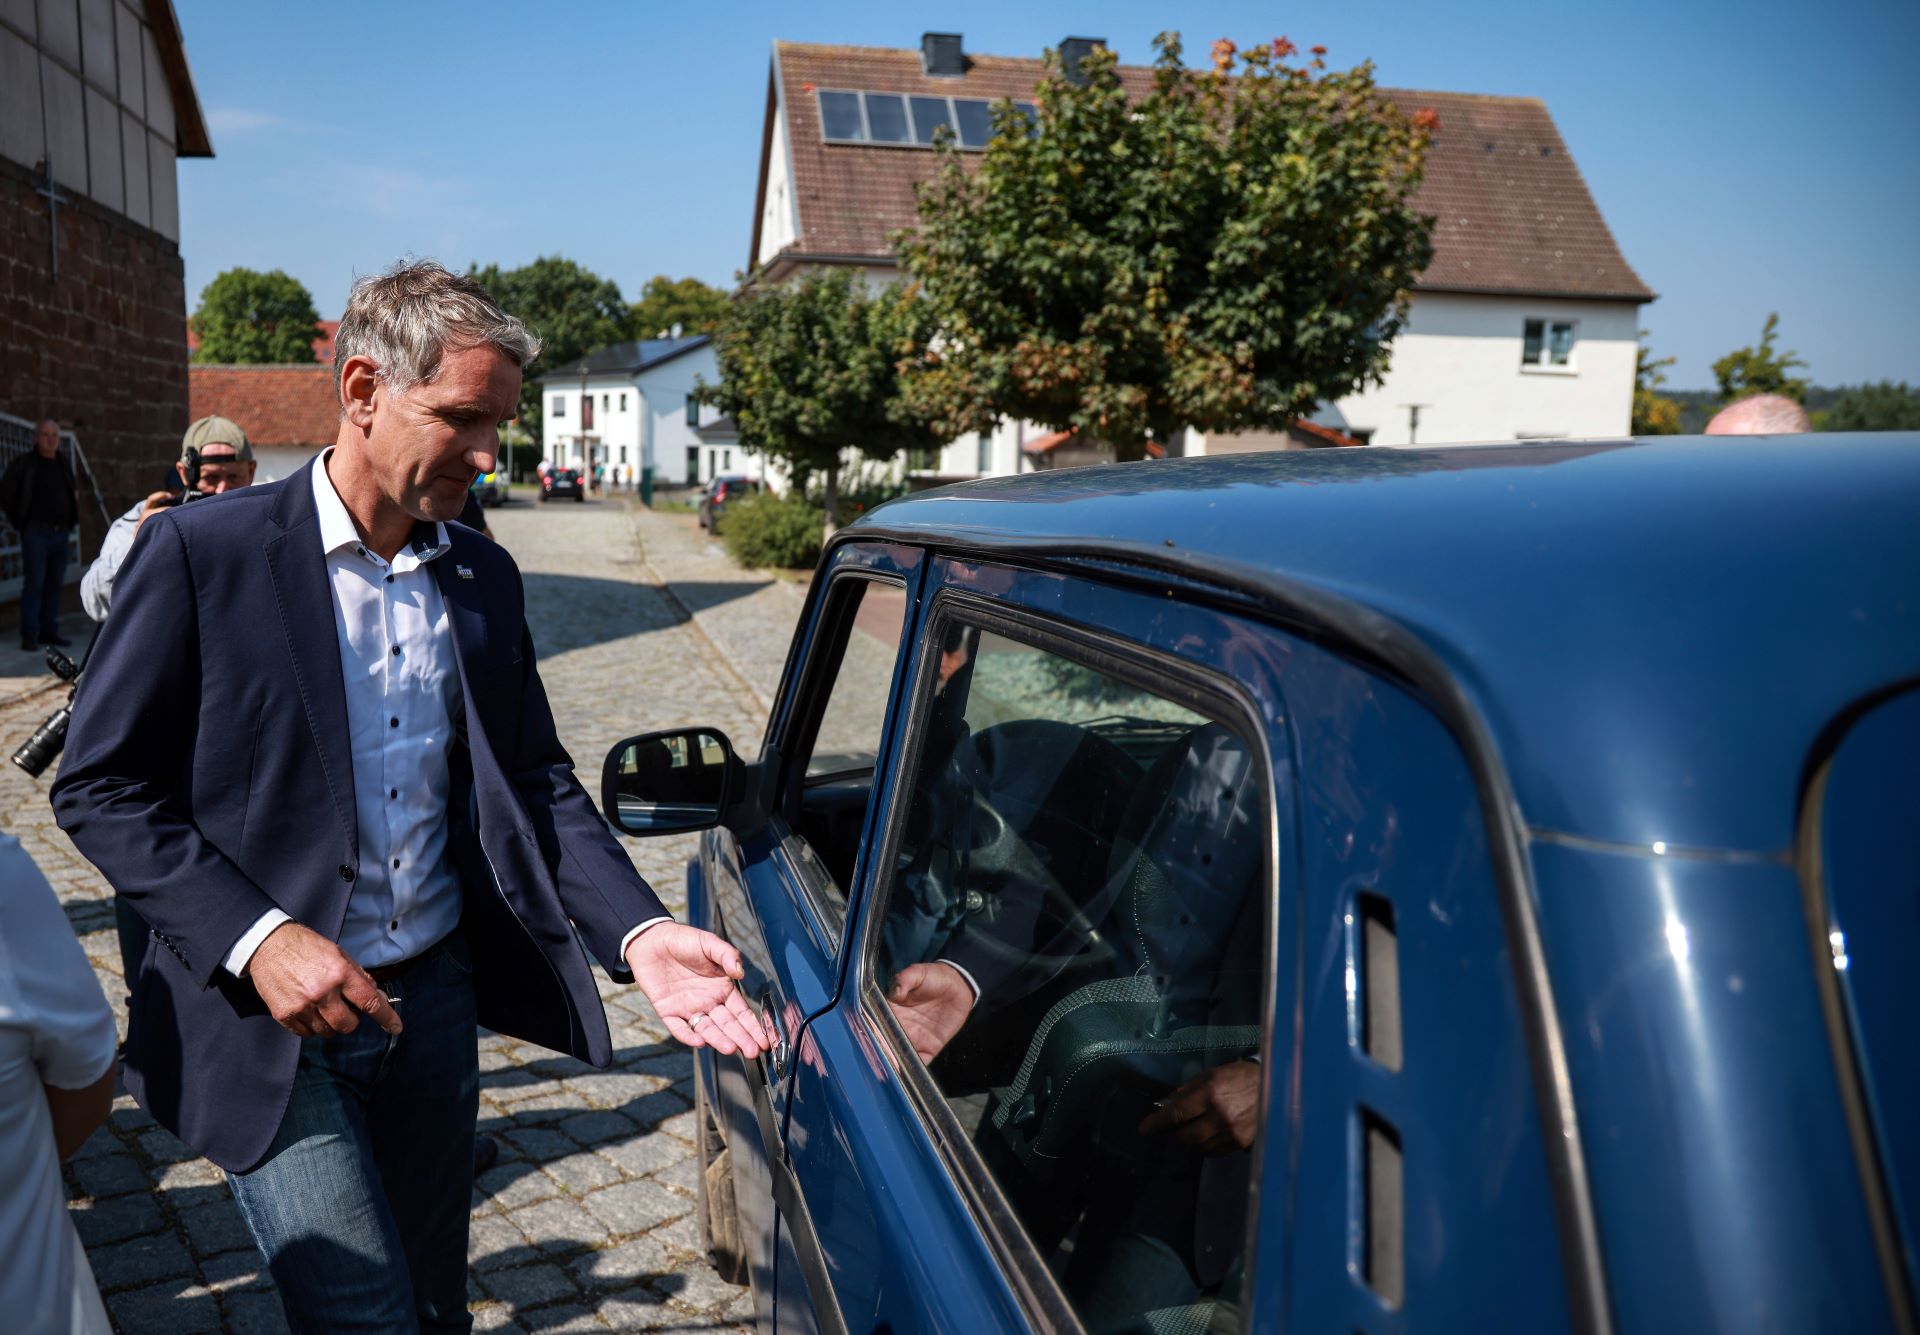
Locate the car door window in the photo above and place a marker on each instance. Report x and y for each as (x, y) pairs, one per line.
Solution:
(1088, 854)
(849, 683)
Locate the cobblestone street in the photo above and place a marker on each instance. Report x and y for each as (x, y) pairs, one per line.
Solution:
(587, 1222)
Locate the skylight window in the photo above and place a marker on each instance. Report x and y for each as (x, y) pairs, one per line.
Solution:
(840, 116)
(975, 121)
(929, 114)
(908, 120)
(887, 118)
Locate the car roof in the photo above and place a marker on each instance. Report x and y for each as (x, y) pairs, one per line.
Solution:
(1656, 632)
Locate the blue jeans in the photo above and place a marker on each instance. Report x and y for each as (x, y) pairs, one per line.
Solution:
(361, 1204)
(43, 565)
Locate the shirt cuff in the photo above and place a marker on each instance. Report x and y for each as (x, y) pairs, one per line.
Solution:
(630, 937)
(242, 952)
(972, 982)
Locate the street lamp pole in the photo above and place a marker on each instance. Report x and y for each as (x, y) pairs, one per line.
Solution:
(586, 467)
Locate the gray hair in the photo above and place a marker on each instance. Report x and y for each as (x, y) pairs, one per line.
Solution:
(407, 318)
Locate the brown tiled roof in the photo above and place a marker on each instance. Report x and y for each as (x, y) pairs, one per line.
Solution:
(277, 406)
(1512, 214)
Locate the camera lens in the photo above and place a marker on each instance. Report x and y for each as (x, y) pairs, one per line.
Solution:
(40, 750)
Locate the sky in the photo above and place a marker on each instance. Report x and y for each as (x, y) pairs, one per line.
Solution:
(1749, 157)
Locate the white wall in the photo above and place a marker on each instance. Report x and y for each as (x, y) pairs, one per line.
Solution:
(779, 213)
(663, 390)
(1460, 356)
(613, 427)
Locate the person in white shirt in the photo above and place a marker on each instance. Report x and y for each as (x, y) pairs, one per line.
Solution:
(56, 1085)
(226, 463)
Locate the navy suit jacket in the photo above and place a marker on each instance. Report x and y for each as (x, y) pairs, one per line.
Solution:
(207, 774)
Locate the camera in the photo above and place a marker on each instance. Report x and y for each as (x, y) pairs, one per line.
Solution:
(39, 750)
(190, 462)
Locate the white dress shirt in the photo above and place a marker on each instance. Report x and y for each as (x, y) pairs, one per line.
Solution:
(396, 654)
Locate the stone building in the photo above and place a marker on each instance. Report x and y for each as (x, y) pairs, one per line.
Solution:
(96, 106)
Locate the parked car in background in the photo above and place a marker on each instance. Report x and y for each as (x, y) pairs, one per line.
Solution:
(491, 488)
(719, 492)
(1351, 890)
(557, 483)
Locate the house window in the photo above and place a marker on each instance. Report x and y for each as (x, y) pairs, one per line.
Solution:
(586, 412)
(623, 454)
(623, 403)
(726, 458)
(985, 459)
(1547, 343)
(693, 411)
(559, 405)
(604, 400)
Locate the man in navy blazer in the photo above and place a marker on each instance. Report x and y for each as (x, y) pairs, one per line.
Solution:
(312, 749)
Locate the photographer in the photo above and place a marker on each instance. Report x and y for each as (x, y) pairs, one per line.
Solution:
(226, 463)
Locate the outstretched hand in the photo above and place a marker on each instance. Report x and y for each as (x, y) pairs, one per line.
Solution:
(931, 1002)
(689, 975)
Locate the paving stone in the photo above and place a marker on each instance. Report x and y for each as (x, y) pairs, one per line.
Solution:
(235, 1272)
(565, 1320)
(583, 1172)
(641, 1308)
(680, 1124)
(560, 1226)
(256, 1314)
(188, 1174)
(494, 1241)
(674, 1066)
(109, 1174)
(163, 1146)
(494, 1318)
(529, 1285)
(101, 1143)
(646, 1155)
(103, 1221)
(700, 1287)
(683, 1175)
(594, 1127)
(131, 1117)
(216, 1227)
(619, 1266)
(165, 1309)
(548, 1105)
(683, 1233)
(541, 1143)
(511, 1186)
(656, 1108)
(140, 1261)
(635, 1207)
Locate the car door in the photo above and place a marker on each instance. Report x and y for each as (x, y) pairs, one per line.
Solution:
(780, 894)
(1076, 729)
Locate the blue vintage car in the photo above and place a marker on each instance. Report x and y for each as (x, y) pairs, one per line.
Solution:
(1359, 890)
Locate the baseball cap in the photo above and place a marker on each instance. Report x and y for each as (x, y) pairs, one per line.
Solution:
(216, 430)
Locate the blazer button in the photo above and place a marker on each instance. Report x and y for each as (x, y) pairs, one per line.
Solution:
(346, 872)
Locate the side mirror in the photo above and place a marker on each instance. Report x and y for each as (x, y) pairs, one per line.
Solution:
(669, 782)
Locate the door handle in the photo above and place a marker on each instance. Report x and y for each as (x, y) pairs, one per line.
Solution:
(778, 1053)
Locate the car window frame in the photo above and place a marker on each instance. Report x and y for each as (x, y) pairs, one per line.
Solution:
(1184, 683)
(826, 916)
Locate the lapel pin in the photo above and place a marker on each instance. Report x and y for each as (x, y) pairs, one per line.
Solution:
(464, 572)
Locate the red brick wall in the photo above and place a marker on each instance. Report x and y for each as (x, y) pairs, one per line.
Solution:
(103, 347)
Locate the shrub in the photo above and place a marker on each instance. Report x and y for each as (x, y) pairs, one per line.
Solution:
(767, 530)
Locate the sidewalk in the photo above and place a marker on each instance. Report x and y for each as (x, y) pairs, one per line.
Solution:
(748, 615)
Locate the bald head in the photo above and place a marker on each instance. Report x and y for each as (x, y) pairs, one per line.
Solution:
(46, 437)
(1761, 415)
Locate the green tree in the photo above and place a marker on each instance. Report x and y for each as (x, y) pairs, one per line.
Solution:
(1225, 253)
(665, 302)
(1654, 414)
(248, 318)
(1884, 406)
(811, 368)
(574, 311)
(1760, 370)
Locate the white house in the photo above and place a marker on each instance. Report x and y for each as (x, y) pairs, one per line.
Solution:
(1523, 326)
(629, 408)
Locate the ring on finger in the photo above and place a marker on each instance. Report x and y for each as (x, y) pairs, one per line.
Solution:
(696, 1018)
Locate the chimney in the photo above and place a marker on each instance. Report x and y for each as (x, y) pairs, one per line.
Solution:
(941, 56)
(1073, 50)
